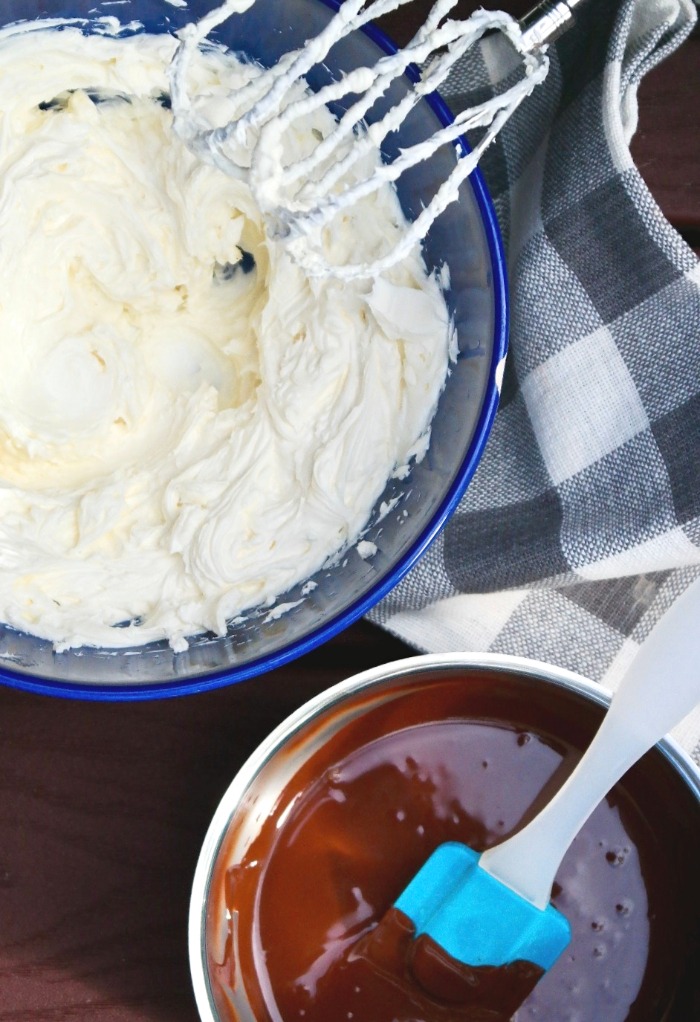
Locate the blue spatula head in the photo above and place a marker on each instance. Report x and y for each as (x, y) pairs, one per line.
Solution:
(477, 919)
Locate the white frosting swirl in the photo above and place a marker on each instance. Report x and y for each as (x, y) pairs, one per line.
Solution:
(189, 425)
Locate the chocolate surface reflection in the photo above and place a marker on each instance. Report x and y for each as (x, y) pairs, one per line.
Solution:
(463, 758)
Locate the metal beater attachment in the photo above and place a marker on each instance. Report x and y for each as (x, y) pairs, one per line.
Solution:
(299, 198)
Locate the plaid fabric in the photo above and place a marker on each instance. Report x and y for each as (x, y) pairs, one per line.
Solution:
(582, 523)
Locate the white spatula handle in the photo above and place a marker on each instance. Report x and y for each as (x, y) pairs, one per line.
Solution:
(661, 686)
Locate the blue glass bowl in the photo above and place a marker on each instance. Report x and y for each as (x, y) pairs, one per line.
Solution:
(465, 237)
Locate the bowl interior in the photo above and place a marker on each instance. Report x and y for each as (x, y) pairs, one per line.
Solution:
(466, 239)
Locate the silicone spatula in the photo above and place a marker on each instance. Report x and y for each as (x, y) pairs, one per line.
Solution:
(493, 909)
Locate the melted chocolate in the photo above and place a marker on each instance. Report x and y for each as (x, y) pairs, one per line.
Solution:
(393, 949)
(465, 758)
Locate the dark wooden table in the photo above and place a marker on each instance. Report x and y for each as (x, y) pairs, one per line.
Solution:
(103, 807)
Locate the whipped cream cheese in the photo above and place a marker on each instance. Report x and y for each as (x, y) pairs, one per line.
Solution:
(189, 423)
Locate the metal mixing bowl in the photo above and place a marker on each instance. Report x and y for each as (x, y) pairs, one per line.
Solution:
(265, 789)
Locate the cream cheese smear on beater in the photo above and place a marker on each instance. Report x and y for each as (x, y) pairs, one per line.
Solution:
(189, 424)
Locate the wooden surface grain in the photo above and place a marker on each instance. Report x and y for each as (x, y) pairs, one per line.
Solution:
(103, 807)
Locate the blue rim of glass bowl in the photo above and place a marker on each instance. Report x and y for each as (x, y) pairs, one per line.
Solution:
(262, 665)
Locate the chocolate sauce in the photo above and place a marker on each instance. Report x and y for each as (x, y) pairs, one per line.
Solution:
(393, 949)
(467, 758)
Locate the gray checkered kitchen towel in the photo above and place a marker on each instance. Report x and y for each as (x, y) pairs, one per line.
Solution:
(582, 522)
